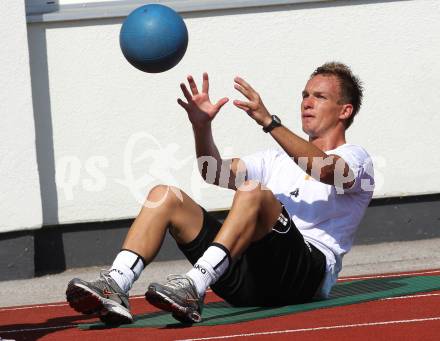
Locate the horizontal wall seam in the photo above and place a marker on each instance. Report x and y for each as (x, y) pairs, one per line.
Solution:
(117, 9)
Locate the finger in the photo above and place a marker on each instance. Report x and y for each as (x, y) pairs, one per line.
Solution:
(205, 84)
(244, 108)
(243, 91)
(185, 92)
(244, 87)
(183, 104)
(192, 85)
(247, 110)
(221, 103)
(243, 104)
(243, 83)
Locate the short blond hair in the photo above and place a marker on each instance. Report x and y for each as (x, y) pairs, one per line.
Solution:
(349, 84)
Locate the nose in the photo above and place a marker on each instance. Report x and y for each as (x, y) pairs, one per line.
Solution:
(307, 102)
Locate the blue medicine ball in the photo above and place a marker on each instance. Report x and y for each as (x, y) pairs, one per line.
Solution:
(153, 38)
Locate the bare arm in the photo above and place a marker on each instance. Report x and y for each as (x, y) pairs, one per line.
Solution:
(321, 166)
(201, 112)
(226, 173)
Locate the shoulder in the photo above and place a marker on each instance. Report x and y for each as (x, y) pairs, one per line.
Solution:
(353, 149)
(360, 162)
(352, 153)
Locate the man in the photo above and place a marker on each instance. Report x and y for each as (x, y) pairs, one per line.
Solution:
(293, 216)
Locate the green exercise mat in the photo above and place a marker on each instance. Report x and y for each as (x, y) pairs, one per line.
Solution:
(345, 293)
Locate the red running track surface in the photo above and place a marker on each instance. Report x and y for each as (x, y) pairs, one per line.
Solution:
(415, 317)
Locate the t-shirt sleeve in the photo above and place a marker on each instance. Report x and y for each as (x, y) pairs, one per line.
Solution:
(258, 164)
(360, 164)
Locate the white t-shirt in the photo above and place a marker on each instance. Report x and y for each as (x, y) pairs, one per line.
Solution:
(327, 216)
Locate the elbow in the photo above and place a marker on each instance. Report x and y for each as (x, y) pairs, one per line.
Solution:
(327, 177)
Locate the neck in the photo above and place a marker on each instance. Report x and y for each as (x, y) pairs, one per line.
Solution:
(329, 141)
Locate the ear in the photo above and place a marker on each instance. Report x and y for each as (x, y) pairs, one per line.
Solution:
(346, 112)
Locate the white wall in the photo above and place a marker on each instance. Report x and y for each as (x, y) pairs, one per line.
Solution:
(101, 107)
(20, 204)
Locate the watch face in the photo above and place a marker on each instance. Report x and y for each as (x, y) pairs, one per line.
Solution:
(276, 122)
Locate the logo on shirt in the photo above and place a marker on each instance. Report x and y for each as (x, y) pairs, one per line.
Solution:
(294, 193)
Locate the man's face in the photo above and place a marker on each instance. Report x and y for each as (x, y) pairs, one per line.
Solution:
(320, 108)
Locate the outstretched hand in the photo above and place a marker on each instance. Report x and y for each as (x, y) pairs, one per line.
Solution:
(199, 107)
(255, 107)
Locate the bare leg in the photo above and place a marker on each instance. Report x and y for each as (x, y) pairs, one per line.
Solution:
(253, 213)
(108, 294)
(147, 232)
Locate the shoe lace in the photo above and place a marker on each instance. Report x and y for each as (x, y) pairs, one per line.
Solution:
(105, 275)
(177, 282)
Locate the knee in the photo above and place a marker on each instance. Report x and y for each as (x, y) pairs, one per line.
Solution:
(250, 191)
(163, 195)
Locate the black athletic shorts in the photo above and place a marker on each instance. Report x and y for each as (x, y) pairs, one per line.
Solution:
(279, 269)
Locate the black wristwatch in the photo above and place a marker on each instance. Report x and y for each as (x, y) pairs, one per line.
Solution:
(276, 122)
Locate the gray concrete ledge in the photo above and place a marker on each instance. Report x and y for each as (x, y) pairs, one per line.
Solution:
(117, 9)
